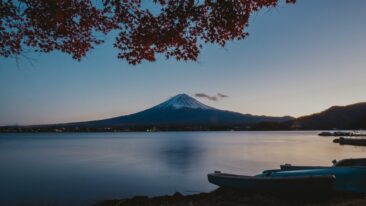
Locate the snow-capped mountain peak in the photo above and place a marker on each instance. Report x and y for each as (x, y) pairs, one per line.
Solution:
(182, 101)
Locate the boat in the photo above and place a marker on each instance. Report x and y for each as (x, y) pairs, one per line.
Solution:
(325, 134)
(289, 167)
(306, 183)
(347, 175)
(342, 133)
(350, 141)
(351, 162)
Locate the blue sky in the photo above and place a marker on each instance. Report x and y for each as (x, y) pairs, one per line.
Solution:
(299, 59)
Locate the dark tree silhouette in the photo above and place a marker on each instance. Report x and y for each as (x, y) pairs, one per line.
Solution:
(177, 28)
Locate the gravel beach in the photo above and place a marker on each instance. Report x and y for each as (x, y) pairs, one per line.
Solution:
(230, 197)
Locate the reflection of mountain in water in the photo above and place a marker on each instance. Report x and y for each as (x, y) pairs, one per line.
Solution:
(180, 154)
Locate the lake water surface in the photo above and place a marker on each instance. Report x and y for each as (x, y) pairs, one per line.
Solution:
(82, 168)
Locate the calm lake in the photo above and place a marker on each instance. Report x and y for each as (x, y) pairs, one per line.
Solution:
(82, 168)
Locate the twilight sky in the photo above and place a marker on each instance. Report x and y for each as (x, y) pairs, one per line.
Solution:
(299, 59)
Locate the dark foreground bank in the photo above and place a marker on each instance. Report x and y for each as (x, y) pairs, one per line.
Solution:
(229, 197)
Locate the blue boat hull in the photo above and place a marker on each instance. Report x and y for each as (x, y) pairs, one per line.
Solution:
(348, 179)
(314, 184)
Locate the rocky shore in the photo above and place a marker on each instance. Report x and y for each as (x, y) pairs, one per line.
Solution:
(230, 197)
(350, 141)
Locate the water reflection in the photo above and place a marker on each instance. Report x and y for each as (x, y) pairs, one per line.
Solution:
(180, 153)
(80, 168)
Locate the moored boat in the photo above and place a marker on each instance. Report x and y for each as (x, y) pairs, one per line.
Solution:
(289, 167)
(351, 162)
(306, 183)
(342, 133)
(350, 141)
(348, 175)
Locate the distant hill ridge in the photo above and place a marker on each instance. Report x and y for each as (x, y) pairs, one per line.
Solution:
(337, 117)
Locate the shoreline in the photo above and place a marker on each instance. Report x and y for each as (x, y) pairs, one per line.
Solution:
(157, 131)
(232, 197)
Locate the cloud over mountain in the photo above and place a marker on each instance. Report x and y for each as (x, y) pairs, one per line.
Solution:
(217, 97)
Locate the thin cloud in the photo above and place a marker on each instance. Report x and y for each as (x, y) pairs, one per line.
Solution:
(203, 95)
(222, 95)
(215, 98)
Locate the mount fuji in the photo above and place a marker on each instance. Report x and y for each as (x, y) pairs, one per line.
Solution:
(180, 111)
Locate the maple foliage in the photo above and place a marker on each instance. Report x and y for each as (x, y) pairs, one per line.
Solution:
(177, 28)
